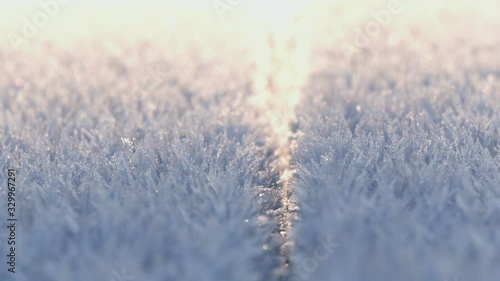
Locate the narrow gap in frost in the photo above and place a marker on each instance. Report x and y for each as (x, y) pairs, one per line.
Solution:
(282, 70)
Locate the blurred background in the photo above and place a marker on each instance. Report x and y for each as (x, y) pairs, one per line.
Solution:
(160, 20)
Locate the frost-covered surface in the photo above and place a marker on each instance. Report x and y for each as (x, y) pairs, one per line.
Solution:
(117, 171)
(152, 160)
(399, 165)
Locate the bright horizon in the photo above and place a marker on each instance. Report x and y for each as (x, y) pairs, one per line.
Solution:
(84, 19)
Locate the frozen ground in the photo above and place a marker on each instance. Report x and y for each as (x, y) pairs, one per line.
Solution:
(398, 165)
(161, 160)
(113, 175)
